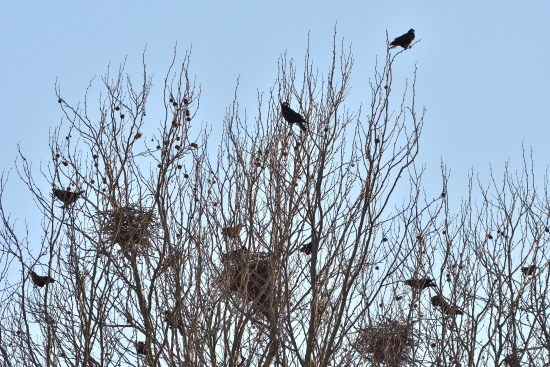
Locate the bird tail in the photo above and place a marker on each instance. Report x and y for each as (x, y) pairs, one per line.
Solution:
(302, 126)
(390, 46)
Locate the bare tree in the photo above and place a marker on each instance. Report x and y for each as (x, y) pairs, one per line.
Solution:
(289, 247)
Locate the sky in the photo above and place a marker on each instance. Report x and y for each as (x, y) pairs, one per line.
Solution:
(483, 72)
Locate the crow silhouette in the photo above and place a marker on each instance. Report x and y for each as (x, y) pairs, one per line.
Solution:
(446, 308)
(141, 348)
(41, 281)
(292, 117)
(404, 40)
(173, 320)
(66, 196)
(420, 284)
(307, 248)
(232, 232)
(529, 271)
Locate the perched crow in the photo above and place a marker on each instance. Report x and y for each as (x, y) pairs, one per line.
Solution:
(235, 254)
(307, 248)
(66, 196)
(404, 40)
(420, 284)
(40, 281)
(291, 116)
(446, 308)
(141, 348)
(173, 320)
(232, 232)
(529, 271)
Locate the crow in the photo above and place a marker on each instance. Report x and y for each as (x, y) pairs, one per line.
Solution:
(173, 320)
(307, 248)
(529, 271)
(403, 40)
(232, 232)
(66, 196)
(446, 308)
(141, 348)
(420, 284)
(41, 281)
(292, 117)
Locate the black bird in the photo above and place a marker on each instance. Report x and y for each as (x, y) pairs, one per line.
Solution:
(141, 348)
(173, 320)
(446, 308)
(292, 117)
(529, 271)
(307, 248)
(41, 281)
(66, 196)
(420, 284)
(403, 40)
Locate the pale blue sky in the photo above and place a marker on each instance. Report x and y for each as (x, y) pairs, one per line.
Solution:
(483, 68)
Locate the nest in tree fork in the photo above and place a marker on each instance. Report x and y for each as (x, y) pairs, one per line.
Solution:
(390, 341)
(130, 226)
(250, 277)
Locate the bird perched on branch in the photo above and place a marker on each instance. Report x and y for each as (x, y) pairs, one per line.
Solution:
(232, 232)
(173, 320)
(41, 281)
(529, 271)
(404, 40)
(66, 196)
(420, 284)
(446, 308)
(141, 348)
(292, 117)
(307, 248)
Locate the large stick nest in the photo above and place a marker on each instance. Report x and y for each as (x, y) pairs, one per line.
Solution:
(249, 276)
(389, 341)
(130, 226)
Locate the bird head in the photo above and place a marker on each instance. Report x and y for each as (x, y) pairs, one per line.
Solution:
(285, 104)
(411, 31)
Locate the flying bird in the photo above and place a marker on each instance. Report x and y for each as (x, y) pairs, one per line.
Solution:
(173, 320)
(307, 248)
(446, 308)
(232, 232)
(41, 281)
(529, 271)
(403, 40)
(292, 117)
(420, 284)
(66, 196)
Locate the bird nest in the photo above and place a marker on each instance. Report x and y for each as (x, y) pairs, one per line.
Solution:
(130, 226)
(389, 341)
(249, 276)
